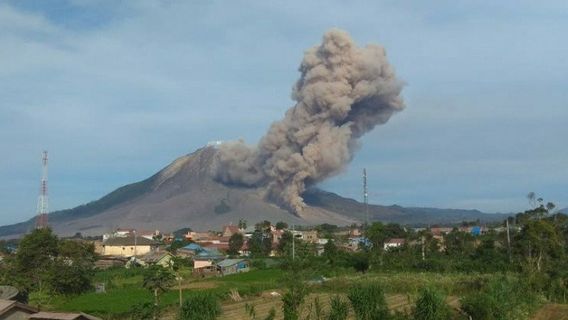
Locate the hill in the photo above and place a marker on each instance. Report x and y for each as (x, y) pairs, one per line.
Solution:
(183, 194)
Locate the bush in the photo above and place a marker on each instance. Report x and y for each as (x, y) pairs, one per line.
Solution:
(502, 299)
(339, 309)
(368, 302)
(202, 306)
(144, 311)
(431, 305)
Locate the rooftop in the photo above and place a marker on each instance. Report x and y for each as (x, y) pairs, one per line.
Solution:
(62, 316)
(130, 241)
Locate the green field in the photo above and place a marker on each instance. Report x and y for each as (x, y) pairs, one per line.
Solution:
(124, 291)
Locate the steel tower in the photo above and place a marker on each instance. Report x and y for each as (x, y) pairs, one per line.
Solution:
(42, 203)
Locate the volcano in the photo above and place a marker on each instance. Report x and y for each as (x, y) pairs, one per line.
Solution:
(184, 194)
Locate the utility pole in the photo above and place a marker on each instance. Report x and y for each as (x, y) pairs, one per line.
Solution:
(293, 243)
(508, 239)
(135, 244)
(365, 197)
(179, 285)
(42, 205)
(423, 248)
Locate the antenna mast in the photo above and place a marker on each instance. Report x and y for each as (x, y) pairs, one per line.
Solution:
(365, 196)
(42, 203)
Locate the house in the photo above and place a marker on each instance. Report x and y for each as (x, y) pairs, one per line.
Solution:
(231, 266)
(393, 243)
(440, 231)
(190, 250)
(128, 246)
(205, 261)
(219, 246)
(230, 230)
(62, 316)
(161, 258)
(310, 236)
(354, 244)
(13, 310)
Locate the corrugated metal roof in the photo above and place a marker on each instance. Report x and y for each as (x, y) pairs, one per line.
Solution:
(229, 262)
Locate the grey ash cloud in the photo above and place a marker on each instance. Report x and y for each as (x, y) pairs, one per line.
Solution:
(344, 91)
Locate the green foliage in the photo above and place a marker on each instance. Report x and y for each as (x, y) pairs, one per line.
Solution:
(360, 261)
(330, 252)
(242, 224)
(45, 263)
(260, 244)
(501, 299)
(292, 299)
(40, 299)
(376, 233)
(144, 311)
(236, 243)
(431, 305)
(296, 291)
(280, 225)
(368, 302)
(202, 306)
(157, 279)
(339, 308)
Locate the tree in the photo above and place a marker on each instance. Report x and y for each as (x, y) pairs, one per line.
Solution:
(280, 225)
(236, 243)
(550, 206)
(35, 258)
(157, 279)
(330, 251)
(539, 241)
(260, 244)
(285, 244)
(360, 261)
(45, 264)
(242, 224)
(376, 234)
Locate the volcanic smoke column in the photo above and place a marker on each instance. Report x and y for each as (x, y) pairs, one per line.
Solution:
(344, 91)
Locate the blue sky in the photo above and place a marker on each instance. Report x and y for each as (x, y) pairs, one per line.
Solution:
(117, 90)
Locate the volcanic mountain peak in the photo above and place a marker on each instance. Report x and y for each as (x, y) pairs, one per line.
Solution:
(184, 194)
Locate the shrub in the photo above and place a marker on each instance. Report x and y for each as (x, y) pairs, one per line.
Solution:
(201, 306)
(431, 305)
(501, 299)
(368, 302)
(144, 311)
(339, 309)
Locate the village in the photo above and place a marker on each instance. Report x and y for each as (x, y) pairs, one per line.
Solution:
(209, 252)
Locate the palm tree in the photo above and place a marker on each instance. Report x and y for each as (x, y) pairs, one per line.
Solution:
(158, 279)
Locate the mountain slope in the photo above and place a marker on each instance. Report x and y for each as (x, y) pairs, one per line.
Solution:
(184, 195)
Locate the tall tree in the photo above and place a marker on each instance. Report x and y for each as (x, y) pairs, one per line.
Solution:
(236, 243)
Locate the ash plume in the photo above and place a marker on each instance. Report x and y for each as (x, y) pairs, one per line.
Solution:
(344, 91)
